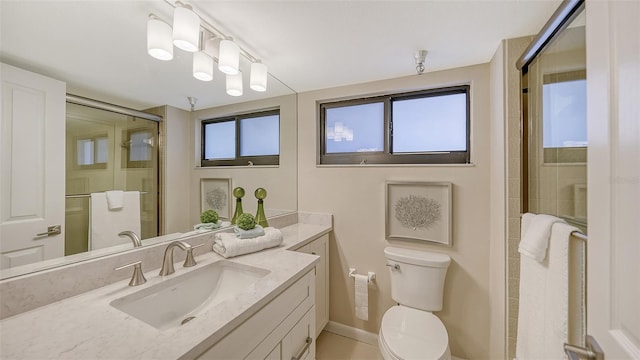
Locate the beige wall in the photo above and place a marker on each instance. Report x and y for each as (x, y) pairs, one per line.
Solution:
(513, 48)
(279, 181)
(176, 170)
(498, 204)
(355, 197)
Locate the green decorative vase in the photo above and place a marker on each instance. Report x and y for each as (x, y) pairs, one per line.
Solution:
(238, 193)
(261, 218)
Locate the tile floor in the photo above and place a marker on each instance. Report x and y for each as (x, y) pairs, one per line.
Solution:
(330, 346)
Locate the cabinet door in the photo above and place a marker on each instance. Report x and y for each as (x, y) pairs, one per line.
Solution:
(294, 345)
(320, 247)
(274, 354)
(32, 187)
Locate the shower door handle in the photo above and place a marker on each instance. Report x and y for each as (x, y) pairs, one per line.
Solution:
(52, 230)
(591, 351)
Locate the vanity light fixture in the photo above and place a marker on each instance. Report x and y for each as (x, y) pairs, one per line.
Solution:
(208, 45)
(186, 28)
(229, 61)
(258, 77)
(234, 84)
(159, 39)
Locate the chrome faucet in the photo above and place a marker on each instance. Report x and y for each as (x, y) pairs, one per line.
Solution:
(134, 238)
(167, 263)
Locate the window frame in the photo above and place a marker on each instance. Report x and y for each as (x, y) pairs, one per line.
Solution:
(273, 160)
(387, 157)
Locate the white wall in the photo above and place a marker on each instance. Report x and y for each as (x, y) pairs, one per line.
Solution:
(355, 196)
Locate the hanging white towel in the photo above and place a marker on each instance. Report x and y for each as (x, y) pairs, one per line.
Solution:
(115, 199)
(105, 224)
(229, 245)
(544, 301)
(535, 239)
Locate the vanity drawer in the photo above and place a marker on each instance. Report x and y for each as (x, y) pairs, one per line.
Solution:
(258, 335)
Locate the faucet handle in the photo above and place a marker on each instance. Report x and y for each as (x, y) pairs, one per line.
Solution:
(190, 260)
(138, 276)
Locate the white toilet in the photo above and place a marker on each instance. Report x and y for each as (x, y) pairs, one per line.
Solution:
(410, 330)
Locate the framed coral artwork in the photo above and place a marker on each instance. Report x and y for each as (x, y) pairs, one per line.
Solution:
(418, 211)
(216, 194)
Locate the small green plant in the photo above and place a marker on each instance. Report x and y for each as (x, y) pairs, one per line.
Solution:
(246, 221)
(209, 216)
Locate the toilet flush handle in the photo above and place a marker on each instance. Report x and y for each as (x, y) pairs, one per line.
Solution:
(395, 266)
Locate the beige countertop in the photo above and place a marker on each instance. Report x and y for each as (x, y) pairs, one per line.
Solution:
(86, 326)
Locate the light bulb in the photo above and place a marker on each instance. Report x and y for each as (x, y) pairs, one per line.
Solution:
(258, 80)
(202, 66)
(159, 39)
(229, 61)
(186, 29)
(234, 84)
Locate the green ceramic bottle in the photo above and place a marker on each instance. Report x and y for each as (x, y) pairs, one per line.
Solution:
(238, 193)
(261, 218)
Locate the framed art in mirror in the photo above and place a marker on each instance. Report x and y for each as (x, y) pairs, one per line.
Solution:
(418, 211)
(215, 194)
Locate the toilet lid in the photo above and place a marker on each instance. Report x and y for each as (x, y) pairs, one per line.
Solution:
(414, 334)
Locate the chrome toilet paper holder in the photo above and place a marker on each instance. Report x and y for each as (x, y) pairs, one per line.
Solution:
(370, 275)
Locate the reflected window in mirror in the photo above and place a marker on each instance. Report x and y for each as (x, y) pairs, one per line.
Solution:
(138, 148)
(92, 152)
(242, 140)
(564, 117)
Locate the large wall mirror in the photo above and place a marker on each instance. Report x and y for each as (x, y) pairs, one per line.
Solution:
(99, 50)
(554, 113)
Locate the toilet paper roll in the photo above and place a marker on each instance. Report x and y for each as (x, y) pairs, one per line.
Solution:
(362, 296)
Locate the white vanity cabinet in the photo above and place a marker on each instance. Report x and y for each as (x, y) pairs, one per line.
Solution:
(320, 247)
(283, 329)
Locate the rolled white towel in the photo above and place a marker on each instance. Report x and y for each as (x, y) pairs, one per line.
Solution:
(228, 244)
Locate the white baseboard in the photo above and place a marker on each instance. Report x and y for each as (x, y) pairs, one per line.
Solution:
(352, 333)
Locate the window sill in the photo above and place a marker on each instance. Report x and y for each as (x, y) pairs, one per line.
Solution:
(392, 165)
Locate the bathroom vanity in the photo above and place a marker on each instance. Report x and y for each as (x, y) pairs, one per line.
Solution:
(267, 309)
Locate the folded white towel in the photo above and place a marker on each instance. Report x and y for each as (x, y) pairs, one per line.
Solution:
(115, 199)
(228, 244)
(207, 226)
(534, 238)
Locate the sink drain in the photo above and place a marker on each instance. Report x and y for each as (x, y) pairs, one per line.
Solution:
(187, 320)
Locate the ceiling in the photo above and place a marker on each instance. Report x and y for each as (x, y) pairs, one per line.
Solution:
(98, 47)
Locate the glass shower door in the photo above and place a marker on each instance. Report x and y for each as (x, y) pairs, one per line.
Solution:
(108, 151)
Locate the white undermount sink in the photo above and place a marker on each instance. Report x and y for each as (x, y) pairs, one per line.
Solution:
(179, 299)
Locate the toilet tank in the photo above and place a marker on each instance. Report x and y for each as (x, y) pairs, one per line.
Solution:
(418, 279)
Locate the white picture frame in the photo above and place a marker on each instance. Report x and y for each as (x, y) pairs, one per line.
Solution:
(419, 211)
(216, 194)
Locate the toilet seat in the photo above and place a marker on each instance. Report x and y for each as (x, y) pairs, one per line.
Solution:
(408, 333)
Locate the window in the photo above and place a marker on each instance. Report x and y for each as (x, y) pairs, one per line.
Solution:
(92, 153)
(248, 139)
(425, 127)
(564, 117)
